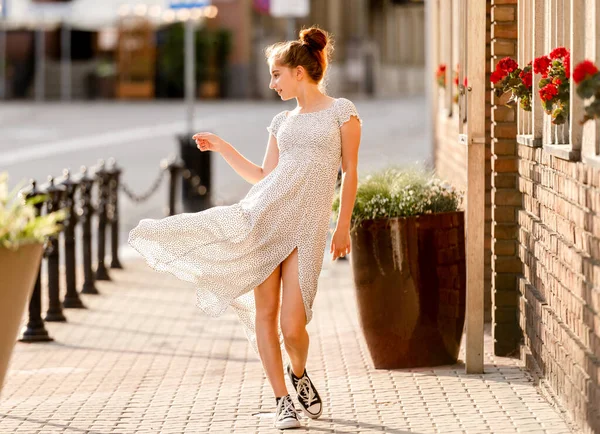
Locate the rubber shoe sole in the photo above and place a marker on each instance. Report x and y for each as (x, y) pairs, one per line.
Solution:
(288, 424)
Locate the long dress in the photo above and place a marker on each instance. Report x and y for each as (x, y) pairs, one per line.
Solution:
(227, 251)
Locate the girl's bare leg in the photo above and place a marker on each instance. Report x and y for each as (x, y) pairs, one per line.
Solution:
(266, 297)
(293, 315)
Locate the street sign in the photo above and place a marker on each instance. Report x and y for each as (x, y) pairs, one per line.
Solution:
(188, 4)
(289, 8)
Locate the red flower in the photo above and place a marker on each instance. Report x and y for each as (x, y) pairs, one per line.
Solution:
(557, 81)
(541, 65)
(567, 65)
(527, 78)
(584, 70)
(559, 52)
(507, 65)
(548, 92)
(441, 69)
(496, 76)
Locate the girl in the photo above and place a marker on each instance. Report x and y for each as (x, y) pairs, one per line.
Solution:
(242, 255)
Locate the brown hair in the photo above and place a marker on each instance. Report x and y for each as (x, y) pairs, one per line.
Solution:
(311, 51)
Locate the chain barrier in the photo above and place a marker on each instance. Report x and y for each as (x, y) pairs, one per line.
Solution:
(143, 197)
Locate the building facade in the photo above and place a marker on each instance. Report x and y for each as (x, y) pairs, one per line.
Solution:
(542, 226)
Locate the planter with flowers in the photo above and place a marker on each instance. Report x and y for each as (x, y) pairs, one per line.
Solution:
(408, 259)
(554, 84)
(22, 233)
(440, 76)
(587, 78)
(515, 80)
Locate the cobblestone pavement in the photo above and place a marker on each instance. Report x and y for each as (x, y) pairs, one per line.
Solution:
(143, 359)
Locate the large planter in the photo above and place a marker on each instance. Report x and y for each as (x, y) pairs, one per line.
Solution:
(409, 275)
(18, 271)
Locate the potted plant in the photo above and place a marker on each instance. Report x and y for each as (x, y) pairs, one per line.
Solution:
(22, 233)
(554, 84)
(587, 78)
(408, 260)
(515, 80)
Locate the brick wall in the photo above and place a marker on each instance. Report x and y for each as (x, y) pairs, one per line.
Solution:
(546, 252)
(544, 243)
(450, 160)
(559, 245)
(506, 198)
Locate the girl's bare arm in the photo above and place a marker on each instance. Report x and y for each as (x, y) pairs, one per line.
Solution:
(245, 168)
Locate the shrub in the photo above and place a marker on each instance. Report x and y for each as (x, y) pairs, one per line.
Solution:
(397, 192)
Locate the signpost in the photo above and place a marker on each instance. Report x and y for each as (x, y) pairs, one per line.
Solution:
(3, 16)
(190, 54)
(195, 191)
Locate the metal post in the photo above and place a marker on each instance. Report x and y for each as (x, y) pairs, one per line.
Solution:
(54, 313)
(40, 62)
(35, 331)
(102, 178)
(174, 167)
(86, 212)
(291, 29)
(114, 174)
(65, 66)
(2, 55)
(190, 73)
(72, 299)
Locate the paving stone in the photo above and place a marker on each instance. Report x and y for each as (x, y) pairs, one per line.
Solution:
(143, 359)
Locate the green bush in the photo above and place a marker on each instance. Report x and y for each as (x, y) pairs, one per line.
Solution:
(18, 222)
(397, 192)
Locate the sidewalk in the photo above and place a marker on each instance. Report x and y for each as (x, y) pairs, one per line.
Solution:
(143, 359)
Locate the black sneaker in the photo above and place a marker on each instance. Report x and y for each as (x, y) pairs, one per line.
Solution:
(285, 415)
(309, 398)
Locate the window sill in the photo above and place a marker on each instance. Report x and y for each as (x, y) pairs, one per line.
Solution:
(564, 152)
(528, 140)
(592, 161)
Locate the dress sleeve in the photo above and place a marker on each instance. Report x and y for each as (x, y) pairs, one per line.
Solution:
(276, 123)
(345, 110)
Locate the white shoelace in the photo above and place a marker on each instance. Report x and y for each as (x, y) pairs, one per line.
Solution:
(305, 391)
(286, 409)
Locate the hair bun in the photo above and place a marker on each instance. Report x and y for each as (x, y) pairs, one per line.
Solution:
(315, 38)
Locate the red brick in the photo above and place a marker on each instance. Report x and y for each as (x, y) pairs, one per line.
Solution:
(505, 30)
(504, 130)
(503, 114)
(503, 47)
(505, 164)
(504, 13)
(506, 197)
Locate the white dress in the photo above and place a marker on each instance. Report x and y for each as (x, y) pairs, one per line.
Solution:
(227, 251)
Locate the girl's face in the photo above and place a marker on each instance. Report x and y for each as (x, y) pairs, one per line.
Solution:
(283, 80)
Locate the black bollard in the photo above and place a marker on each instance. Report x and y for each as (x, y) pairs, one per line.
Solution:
(71, 299)
(102, 179)
(86, 212)
(114, 173)
(35, 330)
(175, 167)
(55, 197)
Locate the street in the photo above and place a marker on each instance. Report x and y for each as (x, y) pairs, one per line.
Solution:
(38, 140)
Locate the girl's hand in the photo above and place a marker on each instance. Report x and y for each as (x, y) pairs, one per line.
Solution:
(340, 244)
(209, 142)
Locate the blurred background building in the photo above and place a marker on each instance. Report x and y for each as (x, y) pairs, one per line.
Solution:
(379, 49)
